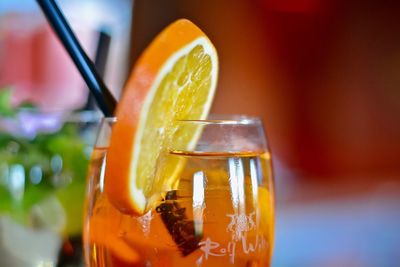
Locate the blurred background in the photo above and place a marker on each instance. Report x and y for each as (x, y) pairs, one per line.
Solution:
(322, 74)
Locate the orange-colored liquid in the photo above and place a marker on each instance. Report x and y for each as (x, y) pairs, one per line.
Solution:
(221, 214)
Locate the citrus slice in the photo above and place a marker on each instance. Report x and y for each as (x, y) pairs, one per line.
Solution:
(174, 79)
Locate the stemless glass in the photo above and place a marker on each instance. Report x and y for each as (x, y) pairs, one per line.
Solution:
(212, 201)
(44, 158)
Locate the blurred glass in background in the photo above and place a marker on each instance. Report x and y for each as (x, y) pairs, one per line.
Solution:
(43, 163)
(47, 126)
(324, 76)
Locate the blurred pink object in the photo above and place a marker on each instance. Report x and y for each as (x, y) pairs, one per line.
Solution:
(33, 61)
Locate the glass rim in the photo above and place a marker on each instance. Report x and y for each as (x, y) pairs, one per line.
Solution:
(218, 119)
(231, 119)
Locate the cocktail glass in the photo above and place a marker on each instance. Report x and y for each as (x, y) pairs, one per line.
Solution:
(211, 202)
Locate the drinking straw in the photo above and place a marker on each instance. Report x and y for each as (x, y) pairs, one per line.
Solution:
(103, 47)
(102, 94)
(100, 61)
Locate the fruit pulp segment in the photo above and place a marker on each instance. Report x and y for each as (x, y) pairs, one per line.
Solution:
(227, 200)
(188, 81)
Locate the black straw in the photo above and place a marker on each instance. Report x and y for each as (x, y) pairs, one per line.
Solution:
(103, 47)
(102, 94)
(100, 62)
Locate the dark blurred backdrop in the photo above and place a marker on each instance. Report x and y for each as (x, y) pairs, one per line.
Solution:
(325, 77)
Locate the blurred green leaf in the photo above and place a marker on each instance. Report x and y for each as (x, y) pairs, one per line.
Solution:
(6, 108)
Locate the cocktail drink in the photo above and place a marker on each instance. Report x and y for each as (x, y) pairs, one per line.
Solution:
(170, 185)
(218, 209)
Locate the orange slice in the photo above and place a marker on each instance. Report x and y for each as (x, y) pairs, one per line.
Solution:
(174, 79)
